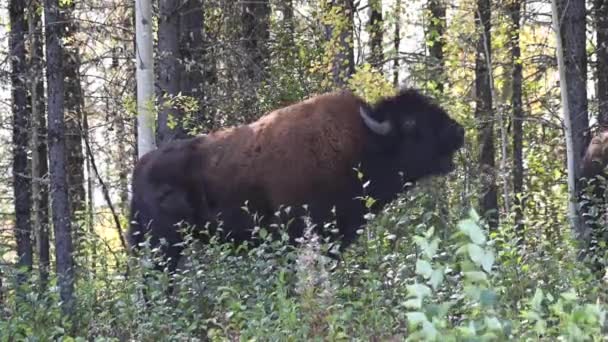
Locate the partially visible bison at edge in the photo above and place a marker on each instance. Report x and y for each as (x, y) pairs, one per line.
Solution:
(303, 154)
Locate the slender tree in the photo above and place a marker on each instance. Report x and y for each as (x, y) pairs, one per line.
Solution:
(73, 121)
(601, 27)
(21, 123)
(569, 26)
(514, 9)
(396, 42)
(90, 226)
(181, 66)
(193, 55)
(40, 166)
(435, 39)
(58, 154)
(255, 33)
(145, 76)
(484, 114)
(255, 25)
(339, 35)
(286, 34)
(376, 32)
(124, 125)
(435, 64)
(287, 11)
(169, 116)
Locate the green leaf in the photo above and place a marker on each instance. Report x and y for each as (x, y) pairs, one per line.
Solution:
(369, 202)
(481, 257)
(419, 290)
(570, 295)
(432, 248)
(414, 303)
(493, 323)
(537, 300)
(487, 261)
(416, 317)
(487, 297)
(473, 231)
(477, 276)
(428, 249)
(429, 331)
(263, 233)
(473, 215)
(424, 268)
(531, 315)
(429, 233)
(476, 253)
(436, 278)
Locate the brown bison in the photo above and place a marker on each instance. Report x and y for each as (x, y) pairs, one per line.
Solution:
(596, 155)
(304, 154)
(592, 198)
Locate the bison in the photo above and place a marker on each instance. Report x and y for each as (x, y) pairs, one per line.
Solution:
(596, 156)
(308, 153)
(592, 199)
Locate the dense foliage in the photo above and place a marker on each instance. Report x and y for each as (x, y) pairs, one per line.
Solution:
(406, 278)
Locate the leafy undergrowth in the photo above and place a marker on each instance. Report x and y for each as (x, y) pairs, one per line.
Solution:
(404, 279)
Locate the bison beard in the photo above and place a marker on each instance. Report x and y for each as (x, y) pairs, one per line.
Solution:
(303, 154)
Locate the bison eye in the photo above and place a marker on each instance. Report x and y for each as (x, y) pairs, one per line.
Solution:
(408, 125)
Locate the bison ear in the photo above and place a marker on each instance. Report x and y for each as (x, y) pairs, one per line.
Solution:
(380, 128)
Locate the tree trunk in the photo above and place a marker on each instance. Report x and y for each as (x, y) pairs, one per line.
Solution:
(339, 34)
(145, 77)
(435, 64)
(601, 26)
(21, 123)
(483, 112)
(518, 116)
(255, 18)
(435, 38)
(170, 125)
(127, 154)
(40, 167)
(569, 27)
(376, 33)
(136, 71)
(73, 122)
(192, 54)
(123, 161)
(287, 10)
(181, 67)
(90, 225)
(396, 42)
(57, 154)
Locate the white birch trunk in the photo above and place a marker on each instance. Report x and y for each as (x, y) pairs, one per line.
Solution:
(575, 220)
(145, 77)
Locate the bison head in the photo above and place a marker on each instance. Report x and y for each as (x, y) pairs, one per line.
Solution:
(412, 134)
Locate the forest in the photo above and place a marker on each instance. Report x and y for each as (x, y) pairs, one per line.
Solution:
(510, 244)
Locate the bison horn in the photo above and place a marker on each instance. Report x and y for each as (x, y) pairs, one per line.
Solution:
(380, 128)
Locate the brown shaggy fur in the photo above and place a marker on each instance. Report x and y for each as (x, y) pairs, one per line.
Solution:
(287, 173)
(303, 154)
(596, 155)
